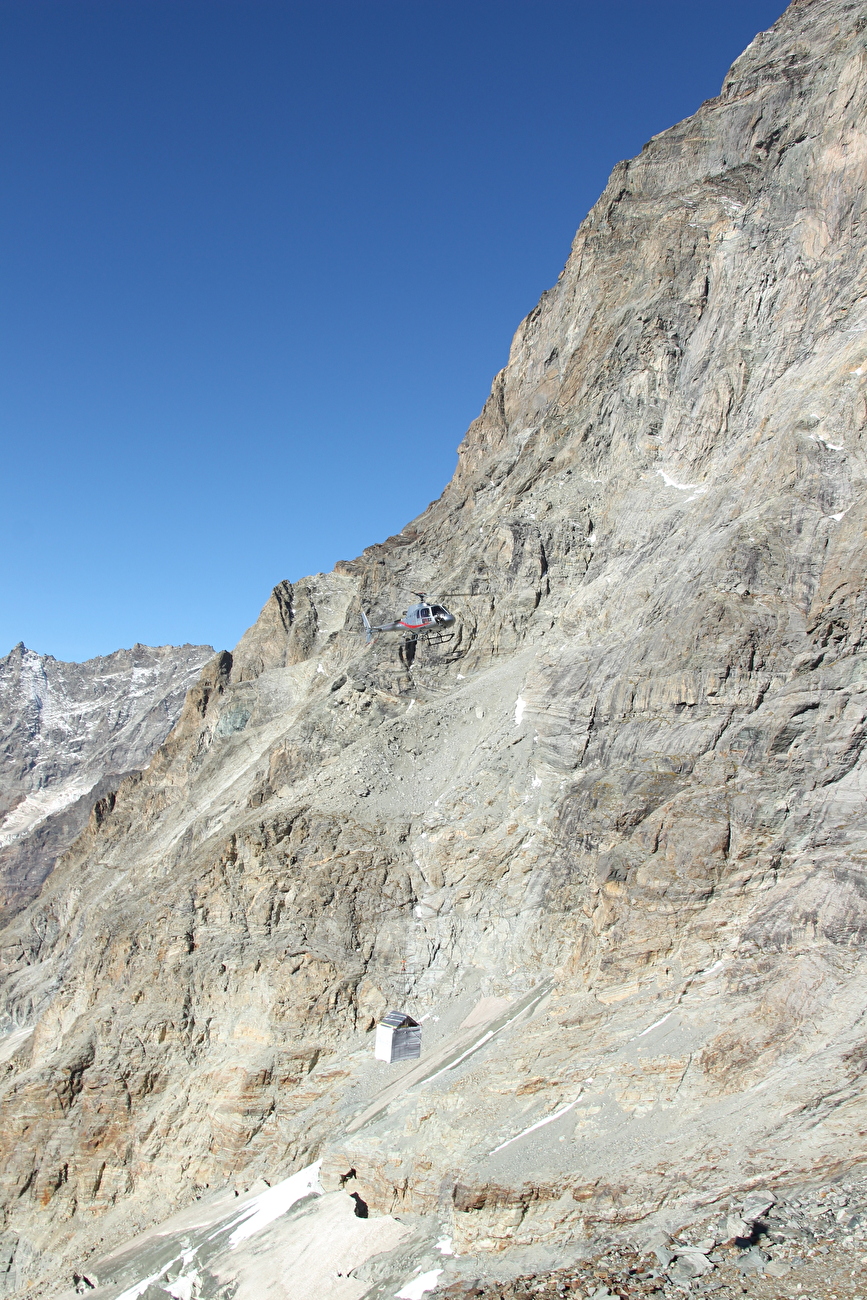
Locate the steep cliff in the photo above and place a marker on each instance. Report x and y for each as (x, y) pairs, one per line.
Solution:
(620, 815)
(68, 733)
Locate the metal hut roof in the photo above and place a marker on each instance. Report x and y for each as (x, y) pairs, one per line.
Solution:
(399, 1020)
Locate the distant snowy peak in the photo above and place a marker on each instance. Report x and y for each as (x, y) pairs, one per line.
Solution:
(64, 729)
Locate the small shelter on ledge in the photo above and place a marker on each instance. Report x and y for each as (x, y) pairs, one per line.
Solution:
(398, 1038)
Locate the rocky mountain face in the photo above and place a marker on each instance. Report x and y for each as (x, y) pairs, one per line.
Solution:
(607, 845)
(68, 734)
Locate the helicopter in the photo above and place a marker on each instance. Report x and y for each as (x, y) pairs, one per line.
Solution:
(427, 619)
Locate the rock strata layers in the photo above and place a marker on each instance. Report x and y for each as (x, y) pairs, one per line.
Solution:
(814, 1245)
(69, 732)
(616, 824)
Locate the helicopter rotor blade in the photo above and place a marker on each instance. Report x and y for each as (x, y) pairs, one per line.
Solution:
(426, 597)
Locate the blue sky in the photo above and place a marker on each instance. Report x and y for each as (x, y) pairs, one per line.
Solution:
(260, 261)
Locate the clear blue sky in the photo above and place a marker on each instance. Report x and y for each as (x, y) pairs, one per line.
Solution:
(260, 261)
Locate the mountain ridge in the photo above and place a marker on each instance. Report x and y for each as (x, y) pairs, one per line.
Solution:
(70, 732)
(634, 778)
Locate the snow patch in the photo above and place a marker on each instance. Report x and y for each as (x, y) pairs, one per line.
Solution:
(669, 482)
(268, 1206)
(415, 1289)
(655, 1025)
(478, 1043)
(12, 1041)
(520, 706)
(35, 807)
(682, 487)
(549, 1119)
(444, 1246)
(711, 969)
(139, 1288)
(832, 446)
(182, 1287)
(184, 1283)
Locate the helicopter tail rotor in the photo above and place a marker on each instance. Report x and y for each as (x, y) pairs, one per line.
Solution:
(367, 628)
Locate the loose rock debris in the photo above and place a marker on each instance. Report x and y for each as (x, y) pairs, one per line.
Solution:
(810, 1247)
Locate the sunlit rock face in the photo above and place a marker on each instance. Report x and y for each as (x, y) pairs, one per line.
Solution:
(69, 732)
(632, 782)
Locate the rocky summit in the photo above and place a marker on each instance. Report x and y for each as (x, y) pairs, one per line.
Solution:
(69, 732)
(607, 845)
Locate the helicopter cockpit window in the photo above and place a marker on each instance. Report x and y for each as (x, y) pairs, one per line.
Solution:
(424, 612)
(437, 609)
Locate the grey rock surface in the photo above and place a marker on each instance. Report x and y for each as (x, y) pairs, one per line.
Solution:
(319, 1246)
(626, 801)
(69, 732)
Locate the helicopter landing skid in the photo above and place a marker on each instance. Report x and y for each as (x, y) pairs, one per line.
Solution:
(431, 638)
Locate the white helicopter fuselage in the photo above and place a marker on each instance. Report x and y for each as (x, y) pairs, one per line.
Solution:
(419, 620)
(425, 618)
